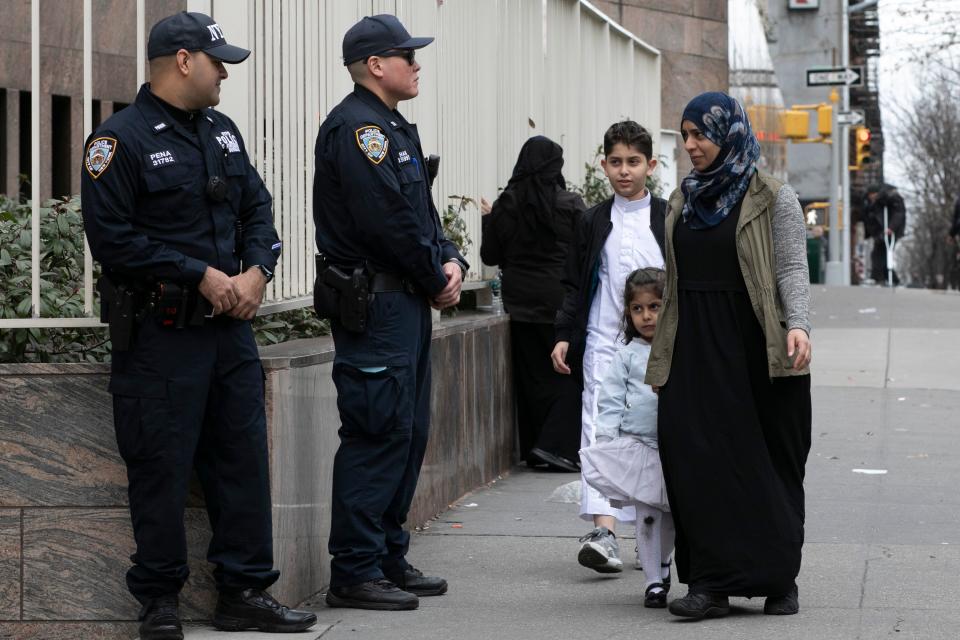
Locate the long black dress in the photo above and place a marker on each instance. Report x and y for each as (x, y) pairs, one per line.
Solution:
(733, 441)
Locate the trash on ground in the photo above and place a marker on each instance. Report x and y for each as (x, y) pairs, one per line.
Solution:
(568, 493)
(456, 525)
(867, 310)
(871, 472)
(901, 399)
(919, 455)
(472, 504)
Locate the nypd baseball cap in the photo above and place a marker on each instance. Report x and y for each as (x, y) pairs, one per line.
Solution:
(193, 32)
(377, 34)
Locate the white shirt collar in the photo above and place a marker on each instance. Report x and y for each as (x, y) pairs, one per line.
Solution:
(629, 206)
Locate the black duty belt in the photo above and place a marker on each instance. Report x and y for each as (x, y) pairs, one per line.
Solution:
(385, 282)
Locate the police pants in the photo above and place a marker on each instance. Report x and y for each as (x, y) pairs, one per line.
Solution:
(383, 394)
(184, 399)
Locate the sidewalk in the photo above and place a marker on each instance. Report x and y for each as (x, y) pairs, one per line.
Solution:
(882, 557)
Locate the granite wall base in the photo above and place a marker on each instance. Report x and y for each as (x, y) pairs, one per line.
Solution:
(65, 536)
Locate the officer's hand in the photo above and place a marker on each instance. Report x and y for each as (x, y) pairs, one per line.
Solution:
(450, 295)
(219, 289)
(559, 357)
(798, 343)
(250, 286)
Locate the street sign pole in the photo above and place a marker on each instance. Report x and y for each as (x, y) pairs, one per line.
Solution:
(845, 144)
(834, 262)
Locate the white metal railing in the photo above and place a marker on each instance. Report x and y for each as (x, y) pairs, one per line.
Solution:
(499, 72)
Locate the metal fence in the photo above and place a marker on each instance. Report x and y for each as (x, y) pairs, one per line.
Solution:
(499, 72)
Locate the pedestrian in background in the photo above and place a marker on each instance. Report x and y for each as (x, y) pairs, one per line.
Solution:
(166, 185)
(527, 233)
(883, 198)
(385, 263)
(610, 240)
(623, 463)
(730, 358)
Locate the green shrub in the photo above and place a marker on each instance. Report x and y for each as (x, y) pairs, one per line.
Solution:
(61, 284)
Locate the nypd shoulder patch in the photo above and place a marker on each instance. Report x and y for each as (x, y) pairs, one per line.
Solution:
(372, 142)
(99, 153)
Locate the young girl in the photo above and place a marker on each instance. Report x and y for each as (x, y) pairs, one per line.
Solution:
(624, 463)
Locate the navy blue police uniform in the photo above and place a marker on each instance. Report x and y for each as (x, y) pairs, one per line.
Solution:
(372, 207)
(165, 195)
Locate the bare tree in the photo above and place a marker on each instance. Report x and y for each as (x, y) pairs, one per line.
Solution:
(927, 136)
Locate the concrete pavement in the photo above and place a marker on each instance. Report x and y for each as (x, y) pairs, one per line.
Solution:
(882, 556)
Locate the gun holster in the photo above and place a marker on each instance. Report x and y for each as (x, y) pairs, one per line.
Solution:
(342, 295)
(117, 309)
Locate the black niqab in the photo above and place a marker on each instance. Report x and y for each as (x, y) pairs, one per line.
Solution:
(531, 194)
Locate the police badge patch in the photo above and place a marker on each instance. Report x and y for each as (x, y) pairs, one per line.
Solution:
(372, 142)
(98, 156)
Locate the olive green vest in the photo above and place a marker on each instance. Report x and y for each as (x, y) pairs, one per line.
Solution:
(757, 263)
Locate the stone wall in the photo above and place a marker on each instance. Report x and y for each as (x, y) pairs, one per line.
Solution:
(65, 536)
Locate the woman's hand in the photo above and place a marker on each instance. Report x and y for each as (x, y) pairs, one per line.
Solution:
(485, 207)
(798, 344)
(559, 357)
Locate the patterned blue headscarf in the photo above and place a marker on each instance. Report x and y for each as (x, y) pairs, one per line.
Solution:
(711, 195)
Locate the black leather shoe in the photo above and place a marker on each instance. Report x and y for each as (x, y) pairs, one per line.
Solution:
(785, 605)
(700, 605)
(655, 596)
(381, 595)
(256, 609)
(413, 581)
(555, 461)
(161, 619)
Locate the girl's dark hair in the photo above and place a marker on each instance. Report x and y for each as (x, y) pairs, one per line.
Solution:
(649, 278)
(631, 134)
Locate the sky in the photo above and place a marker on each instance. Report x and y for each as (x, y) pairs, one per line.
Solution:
(908, 29)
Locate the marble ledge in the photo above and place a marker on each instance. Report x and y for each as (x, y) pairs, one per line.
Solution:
(307, 352)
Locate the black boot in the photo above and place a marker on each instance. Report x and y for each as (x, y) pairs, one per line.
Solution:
(413, 581)
(256, 609)
(161, 619)
(701, 605)
(380, 594)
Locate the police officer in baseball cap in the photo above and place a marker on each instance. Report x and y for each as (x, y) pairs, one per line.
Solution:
(375, 218)
(166, 185)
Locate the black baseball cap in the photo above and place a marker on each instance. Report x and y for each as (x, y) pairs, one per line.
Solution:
(193, 32)
(376, 34)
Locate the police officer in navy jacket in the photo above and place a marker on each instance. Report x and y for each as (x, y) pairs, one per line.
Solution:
(182, 225)
(373, 211)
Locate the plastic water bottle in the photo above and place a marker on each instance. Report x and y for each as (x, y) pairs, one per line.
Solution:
(496, 304)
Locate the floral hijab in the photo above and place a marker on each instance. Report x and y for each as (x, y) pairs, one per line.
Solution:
(711, 195)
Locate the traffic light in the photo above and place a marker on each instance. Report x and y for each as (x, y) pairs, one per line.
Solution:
(795, 123)
(861, 136)
(825, 120)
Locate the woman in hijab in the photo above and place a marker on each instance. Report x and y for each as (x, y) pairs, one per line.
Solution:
(526, 234)
(731, 358)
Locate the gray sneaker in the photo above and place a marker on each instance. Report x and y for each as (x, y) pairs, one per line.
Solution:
(600, 551)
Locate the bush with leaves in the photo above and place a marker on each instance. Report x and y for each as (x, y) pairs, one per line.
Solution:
(454, 226)
(596, 188)
(61, 284)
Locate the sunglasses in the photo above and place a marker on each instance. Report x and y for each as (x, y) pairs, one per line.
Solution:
(410, 55)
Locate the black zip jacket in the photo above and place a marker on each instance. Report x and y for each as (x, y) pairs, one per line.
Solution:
(582, 274)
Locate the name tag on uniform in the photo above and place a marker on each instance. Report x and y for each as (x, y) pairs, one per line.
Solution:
(229, 142)
(403, 157)
(160, 158)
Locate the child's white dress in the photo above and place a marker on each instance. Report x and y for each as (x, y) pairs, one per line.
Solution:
(624, 465)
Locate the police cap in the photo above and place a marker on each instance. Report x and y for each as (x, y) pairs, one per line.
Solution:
(194, 32)
(377, 34)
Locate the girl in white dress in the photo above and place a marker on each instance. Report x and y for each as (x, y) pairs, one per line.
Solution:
(624, 462)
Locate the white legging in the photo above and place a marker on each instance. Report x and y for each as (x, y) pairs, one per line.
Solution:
(655, 534)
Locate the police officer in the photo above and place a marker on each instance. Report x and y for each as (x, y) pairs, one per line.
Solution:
(375, 216)
(182, 225)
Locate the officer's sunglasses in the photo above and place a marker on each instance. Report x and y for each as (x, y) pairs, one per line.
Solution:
(410, 55)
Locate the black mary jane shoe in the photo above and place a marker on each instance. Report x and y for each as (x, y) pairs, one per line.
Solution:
(700, 605)
(655, 596)
(785, 605)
